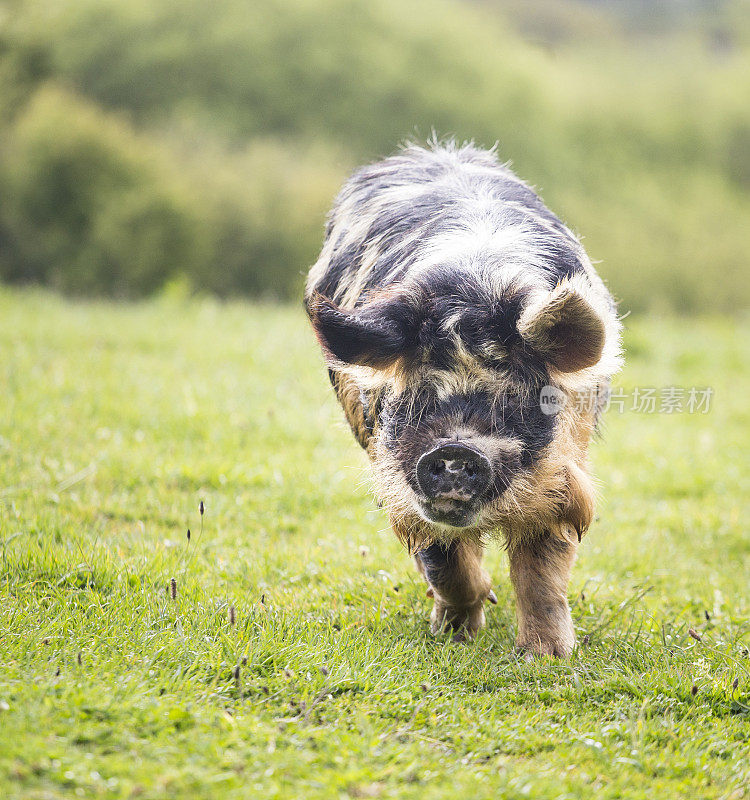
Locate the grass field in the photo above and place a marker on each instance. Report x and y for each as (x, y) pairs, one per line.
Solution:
(116, 421)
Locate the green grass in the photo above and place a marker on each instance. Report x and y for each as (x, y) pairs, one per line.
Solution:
(116, 421)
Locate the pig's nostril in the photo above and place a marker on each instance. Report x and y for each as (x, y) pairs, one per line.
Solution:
(437, 467)
(470, 468)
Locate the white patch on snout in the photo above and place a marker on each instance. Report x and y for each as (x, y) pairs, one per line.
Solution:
(445, 501)
(454, 466)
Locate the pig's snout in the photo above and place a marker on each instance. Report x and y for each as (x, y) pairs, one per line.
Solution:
(453, 472)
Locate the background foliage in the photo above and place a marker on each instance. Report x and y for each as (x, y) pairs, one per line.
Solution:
(146, 143)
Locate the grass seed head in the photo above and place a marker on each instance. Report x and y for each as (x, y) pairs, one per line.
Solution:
(173, 589)
(236, 674)
(694, 690)
(735, 683)
(79, 658)
(201, 507)
(188, 534)
(694, 633)
(232, 615)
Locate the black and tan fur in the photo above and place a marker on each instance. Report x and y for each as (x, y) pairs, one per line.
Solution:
(445, 297)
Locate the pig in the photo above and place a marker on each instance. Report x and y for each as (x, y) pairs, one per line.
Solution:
(462, 323)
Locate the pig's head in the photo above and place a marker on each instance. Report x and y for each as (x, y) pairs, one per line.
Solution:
(451, 371)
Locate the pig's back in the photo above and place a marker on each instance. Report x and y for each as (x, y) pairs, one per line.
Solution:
(443, 207)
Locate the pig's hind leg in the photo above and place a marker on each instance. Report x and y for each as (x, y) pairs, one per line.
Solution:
(459, 586)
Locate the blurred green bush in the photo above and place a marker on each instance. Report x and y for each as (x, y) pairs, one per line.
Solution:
(89, 206)
(146, 142)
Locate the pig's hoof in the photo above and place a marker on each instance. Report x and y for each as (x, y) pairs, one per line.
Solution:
(532, 647)
(463, 623)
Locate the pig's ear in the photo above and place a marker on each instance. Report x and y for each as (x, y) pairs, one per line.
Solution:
(375, 335)
(563, 327)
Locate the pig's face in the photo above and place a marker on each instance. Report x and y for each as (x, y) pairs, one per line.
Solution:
(452, 456)
(453, 371)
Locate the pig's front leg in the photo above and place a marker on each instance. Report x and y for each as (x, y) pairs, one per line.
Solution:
(540, 570)
(458, 585)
